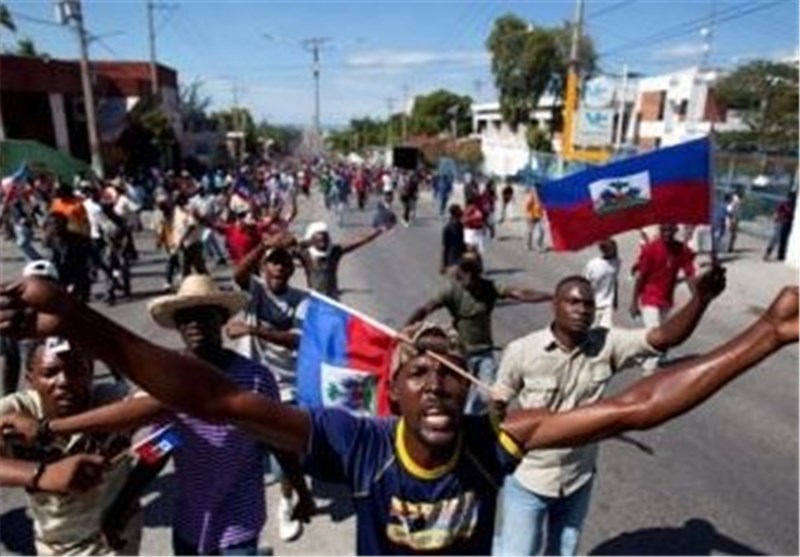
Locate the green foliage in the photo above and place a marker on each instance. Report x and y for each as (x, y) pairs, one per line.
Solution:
(766, 94)
(239, 119)
(279, 139)
(433, 113)
(527, 61)
(149, 138)
(26, 47)
(538, 140)
(6, 20)
(194, 108)
(523, 63)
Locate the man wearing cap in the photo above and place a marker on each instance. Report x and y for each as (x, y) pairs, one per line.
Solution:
(320, 257)
(270, 334)
(426, 481)
(214, 513)
(470, 299)
(59, 469)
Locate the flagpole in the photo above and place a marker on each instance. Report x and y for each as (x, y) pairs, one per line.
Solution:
(402, 338)
(712, 170)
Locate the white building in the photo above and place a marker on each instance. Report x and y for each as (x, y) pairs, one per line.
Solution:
(505, 151)
(677, 107)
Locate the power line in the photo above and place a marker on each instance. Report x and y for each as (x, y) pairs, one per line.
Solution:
(600, 12)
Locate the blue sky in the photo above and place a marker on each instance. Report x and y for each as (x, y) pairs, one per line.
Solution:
(378, 48)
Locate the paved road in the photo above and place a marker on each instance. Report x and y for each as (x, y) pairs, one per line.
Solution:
(722, 479)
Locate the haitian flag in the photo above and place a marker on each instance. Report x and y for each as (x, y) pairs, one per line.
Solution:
(10, 184)
(669, 186)
(157, 445)
(344, 359)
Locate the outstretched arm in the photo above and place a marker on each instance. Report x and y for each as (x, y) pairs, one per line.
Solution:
(359, 241)
(33, 307)
(526, 295)
(674, 391)
(423, 311)
(682, 323)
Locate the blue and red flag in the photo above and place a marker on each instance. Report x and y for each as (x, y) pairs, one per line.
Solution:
(157, 445)
(670, 186)
(344, 359)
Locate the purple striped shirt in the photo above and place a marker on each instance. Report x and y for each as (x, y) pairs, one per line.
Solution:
(220, 470)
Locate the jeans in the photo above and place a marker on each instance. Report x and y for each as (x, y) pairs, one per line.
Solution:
(522, 531)
(482, 366)
(23, 238)
(211, 247)
(181, 547)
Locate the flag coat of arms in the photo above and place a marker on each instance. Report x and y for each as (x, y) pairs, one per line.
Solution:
(344, 359)
(669, 186)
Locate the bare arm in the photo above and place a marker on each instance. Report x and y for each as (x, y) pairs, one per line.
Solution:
(128, 414)
(422, 312)
(526, 295)
(674, 391)
(74, 473)
(682, 323)
(182, 382)
(248, 265)
(359, 241)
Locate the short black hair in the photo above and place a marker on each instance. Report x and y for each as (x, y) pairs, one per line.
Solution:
(572, 279)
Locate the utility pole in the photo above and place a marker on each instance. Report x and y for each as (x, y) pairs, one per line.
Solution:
(390, 108)
(70, 12)
(237, 122)
(405, 113)
(151, 33)
(314, 45)
(571, 97)
(623, 91)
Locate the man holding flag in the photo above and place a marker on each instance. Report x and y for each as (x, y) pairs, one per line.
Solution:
(423, 482)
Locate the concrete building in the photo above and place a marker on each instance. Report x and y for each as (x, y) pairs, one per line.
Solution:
(677, 107)
(42, 99)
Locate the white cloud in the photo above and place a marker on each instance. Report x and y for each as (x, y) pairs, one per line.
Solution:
(679, 51)
(416, 58)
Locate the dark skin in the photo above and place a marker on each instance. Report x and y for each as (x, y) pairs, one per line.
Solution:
(32, 307)
(573, 312)
(200, 328)
(469, 276)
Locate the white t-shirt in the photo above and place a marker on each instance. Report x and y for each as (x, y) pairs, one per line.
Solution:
(602, 273)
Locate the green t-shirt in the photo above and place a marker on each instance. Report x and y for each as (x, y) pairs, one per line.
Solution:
(471, 311)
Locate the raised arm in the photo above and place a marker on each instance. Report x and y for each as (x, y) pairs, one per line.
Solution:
(682, 323)
(33, 307)
(248, 265)
(361, 240)
(674, 391)
(526, 295)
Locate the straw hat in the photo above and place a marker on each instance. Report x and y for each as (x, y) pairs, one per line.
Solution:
(195, 291)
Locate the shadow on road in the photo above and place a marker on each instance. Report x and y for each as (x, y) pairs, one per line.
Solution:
(507, 271)
(158, 510)
(697, 536)
(16, 532)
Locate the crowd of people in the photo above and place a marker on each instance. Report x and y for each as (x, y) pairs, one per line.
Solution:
(520, 433)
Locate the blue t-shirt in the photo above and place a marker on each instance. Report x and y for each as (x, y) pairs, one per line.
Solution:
(402, 508)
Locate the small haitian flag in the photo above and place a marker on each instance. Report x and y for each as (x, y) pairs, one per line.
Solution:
(344, 359)
(157, 445)
(669, 186)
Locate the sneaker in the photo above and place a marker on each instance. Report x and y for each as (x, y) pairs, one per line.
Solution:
(288, 529)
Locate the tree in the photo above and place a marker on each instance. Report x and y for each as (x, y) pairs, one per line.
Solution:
(149, 139)
(26, 47)
(524, 60)
(6, 20)
(528, 61)
(239, 119)
(766, 95)
(194, 109)
(279, 139)
(433, 113)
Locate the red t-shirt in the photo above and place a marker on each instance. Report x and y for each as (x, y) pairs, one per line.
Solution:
(239, 240)
(658, 267)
